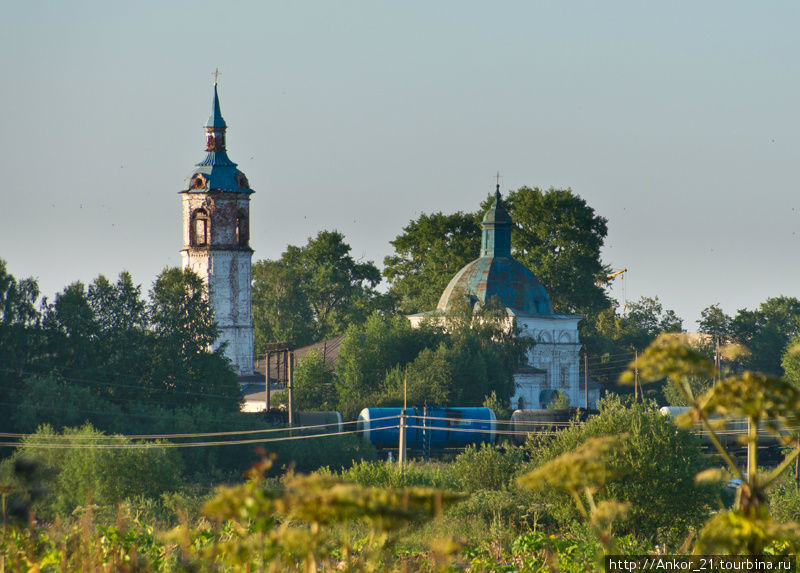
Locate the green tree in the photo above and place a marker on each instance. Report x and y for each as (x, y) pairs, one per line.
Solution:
(368, 352)
(183, 369)
(715, 322)
(71, 329)
(281, 311)
(313, 292)
(79, 471)
(313, 384)
(652, 468)
(428, 253)
(614, 337)
(766, 331)
(559, 237)
(20, 336)
(123, 343)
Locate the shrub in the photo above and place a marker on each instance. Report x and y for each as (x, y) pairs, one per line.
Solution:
(487, 466)
(79, 472)
(653, 469)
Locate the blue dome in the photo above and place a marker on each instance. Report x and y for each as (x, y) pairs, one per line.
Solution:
(501, 277)
(496, 273)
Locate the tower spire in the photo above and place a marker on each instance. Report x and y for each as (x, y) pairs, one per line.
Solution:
(215, 126)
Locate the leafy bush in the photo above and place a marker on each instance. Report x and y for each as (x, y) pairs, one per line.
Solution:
(387, 474)
(487, 467)
(652, 468)
(79, 471)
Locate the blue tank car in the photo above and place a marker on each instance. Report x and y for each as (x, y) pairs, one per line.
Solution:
(429, 427)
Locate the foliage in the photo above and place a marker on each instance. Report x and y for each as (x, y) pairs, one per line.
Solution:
(559, 237)
(715, 322)
(52, 400)
(313, 384)
(652, 468)
(312, 292)
(87, 465)
(487, 467)
(428, 253)
(756, 397)
(369, 352)
(766, 331)
(614, 336)
(291, 528)
(182, 370)
(559, 401)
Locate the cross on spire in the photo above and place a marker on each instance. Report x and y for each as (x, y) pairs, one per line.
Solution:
(216, 76)
(497, 190)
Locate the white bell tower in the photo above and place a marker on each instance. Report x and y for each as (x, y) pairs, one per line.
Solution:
(216, 241)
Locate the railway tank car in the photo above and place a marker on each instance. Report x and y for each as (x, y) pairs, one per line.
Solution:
(429, 427)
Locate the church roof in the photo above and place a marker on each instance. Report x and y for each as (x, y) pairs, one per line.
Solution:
(216, 172)
(496, 273)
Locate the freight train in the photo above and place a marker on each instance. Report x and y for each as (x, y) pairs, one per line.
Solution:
(428, 428)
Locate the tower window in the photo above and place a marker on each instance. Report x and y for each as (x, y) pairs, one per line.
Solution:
(198, 182)
(199, 228)
(242, 230)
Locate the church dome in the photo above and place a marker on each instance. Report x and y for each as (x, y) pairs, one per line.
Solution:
(496, 274)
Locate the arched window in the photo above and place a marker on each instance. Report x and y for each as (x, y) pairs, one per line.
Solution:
(199, 228)
(242, 230)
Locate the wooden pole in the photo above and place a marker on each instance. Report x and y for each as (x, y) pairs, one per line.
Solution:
(401, 450)
(586, 378)
(636, 377)
(290, 374)
(267, 380)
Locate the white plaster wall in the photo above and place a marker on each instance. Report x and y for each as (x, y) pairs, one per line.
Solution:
(556, 348)
(226, 272)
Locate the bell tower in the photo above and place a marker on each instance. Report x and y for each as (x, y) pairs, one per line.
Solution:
(216, 240)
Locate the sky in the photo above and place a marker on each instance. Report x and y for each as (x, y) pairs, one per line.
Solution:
(676, 121)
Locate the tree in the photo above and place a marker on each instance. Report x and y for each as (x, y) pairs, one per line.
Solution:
(281, 311)
(313, 384)
(652, 467)
(183, 369)
(766, 331)
(20, 335)
(614, 337)
(715, 322)
(558, 236)
(428, 253)
(71, 328)
(368, 352)
(313, 292)
(123, 342)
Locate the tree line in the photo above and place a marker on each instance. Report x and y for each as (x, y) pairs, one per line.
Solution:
(107, 343)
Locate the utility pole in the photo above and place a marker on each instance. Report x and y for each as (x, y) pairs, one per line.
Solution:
(269, 354)
(585, 378)
(290, 373)
(401, 451)
(636, 376)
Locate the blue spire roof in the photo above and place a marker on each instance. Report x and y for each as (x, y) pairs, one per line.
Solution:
(215, 119)
(216, 172)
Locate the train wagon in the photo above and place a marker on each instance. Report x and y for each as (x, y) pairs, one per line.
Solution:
(428, 427)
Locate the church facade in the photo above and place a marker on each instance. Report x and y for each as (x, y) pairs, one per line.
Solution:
(216, 240)
(553, 360)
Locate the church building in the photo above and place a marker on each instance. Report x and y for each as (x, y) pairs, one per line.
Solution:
(553, 361)
(216, 240)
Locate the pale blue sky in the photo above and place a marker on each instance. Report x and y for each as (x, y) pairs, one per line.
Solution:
(678, 122)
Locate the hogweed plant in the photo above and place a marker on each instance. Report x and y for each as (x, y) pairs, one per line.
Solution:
(292, 527)
(767, 404)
